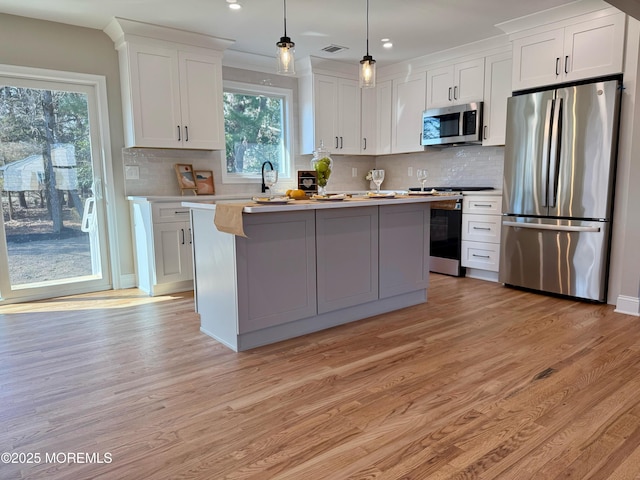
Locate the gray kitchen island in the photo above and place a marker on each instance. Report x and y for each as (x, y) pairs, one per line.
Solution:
(308, 265)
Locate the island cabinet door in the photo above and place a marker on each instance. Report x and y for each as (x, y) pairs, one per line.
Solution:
(347, 257)
(276, 269)
(404, 248)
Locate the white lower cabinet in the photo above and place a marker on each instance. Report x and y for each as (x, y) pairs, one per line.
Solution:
(163, 247)
(481, 224)
(172, 249)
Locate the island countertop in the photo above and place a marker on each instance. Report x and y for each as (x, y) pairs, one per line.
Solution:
(311, 204)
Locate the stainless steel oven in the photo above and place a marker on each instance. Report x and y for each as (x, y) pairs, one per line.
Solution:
(446, 232)
(446, 242)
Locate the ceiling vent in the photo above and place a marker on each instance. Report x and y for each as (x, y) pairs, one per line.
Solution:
(334, 49)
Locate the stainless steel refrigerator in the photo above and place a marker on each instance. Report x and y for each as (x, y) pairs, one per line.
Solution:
(559, 171)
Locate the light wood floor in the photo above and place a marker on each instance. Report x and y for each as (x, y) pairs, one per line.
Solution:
(481, 382)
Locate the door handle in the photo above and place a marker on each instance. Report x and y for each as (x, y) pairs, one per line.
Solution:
(455, 92)
(336, 142)
(554, 156)
(557, 66)
(450, 94)
(566, 64)
(340, 142)
(546, 151)
(179, 139)
(485, 132)
(365, 143)
(186, 133)
(182, 232)
(558, 228)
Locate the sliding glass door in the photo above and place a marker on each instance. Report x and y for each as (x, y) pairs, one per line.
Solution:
(52, 233)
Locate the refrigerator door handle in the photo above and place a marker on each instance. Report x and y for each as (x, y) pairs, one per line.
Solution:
(559, 228)
(554, 157)
(546, 151)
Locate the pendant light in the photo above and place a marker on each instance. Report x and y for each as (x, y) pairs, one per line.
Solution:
(286, 61)
(367, 64)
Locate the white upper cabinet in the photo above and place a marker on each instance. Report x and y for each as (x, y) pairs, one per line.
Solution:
(497, 89)
(369, 121)
(331, 114)
(455, 84)
(171, 91)
(408, 103)
(176, 99)
(587, 49)
(384, 117)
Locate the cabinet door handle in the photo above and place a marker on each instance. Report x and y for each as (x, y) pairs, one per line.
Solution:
(340, 142)
(182, 231)
(336, 142)
(485, 132)
(557, 66)
(186, 133)
(179, 139)
(190, 238)
(365, 143)
(566, 64)
(450, 94)
(455, 92)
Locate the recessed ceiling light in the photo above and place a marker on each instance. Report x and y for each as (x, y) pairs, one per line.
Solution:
(385, 39)
(234, 5)
(387, 45)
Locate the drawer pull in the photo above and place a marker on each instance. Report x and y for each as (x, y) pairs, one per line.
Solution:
(480, 256)
(482, 205)
(181, 212)
(488, 229)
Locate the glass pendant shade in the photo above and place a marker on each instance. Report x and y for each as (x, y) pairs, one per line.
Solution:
(286, 60)
(367, 64)
(367, 72)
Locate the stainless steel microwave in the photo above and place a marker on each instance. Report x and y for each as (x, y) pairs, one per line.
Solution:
(455, 124)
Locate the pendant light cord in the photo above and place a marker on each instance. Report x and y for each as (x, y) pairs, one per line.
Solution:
(285, 17)
(367, 27)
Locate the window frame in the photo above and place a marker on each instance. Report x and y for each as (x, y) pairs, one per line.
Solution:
(286, 94)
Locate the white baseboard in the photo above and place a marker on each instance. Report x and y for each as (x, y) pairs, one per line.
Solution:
(628, 305)
(482, 274)
(127, 281)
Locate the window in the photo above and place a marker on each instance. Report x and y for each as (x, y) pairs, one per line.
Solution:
(257, 125)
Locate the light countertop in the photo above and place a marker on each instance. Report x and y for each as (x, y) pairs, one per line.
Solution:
(296, 205)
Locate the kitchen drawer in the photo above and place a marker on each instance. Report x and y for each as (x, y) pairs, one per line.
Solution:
(163, 212)
(481, 228)
(485, 256)
(482, 204)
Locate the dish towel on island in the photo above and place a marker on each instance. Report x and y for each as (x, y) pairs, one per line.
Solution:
(228, 218)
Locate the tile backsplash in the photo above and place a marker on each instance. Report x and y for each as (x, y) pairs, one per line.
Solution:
(460, 166)
(467, 165)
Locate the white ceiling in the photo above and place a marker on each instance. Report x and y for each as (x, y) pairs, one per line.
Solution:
(416, 27)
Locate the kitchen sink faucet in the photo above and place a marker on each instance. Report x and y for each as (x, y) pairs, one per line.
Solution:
(264, 187)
